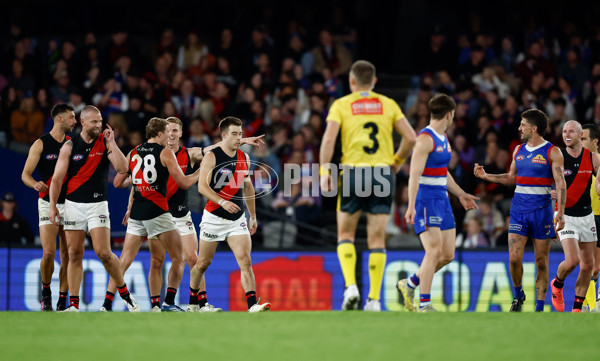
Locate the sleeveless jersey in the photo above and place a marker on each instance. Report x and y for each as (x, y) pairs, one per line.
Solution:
(534, 178)
(366, 122)
(88, 171)
(578, 175)
(228, 182)
(177, 197)
(47, 163)
(433, 181)
(149, 178)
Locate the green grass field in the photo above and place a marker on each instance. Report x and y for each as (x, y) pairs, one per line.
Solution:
(299, 336)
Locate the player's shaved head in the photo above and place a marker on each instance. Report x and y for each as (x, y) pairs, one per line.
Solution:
(89, 110)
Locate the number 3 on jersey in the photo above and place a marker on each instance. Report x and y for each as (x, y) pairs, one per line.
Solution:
(148, 173)
(373, 137)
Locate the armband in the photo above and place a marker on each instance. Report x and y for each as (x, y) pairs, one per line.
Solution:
(398, 161)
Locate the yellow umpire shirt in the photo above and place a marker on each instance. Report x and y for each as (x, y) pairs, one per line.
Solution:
(366, 122)
(595, 199)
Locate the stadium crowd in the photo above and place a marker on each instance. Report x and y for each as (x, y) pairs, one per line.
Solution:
(284, 89)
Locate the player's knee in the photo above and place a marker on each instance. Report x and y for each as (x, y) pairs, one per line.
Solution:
(75, 255)
(586, 266)
(191, 260)
(48, 256)
(156, 262)
(203, 264)
(447, 258)
(435, 252)
(104, 255)
(572, 263)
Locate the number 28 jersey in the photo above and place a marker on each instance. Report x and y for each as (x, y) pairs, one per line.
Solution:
(149, 178)
(366, 122)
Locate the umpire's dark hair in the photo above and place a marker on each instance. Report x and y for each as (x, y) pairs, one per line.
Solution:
(440, 105)
(227, 122)
(60, 109)
(594, 130)
(155, 126)
(538, 118)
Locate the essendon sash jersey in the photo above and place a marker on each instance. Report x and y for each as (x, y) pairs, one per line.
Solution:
(87, 180)
(228, 182)
(149, 179)
(578, 175)
(47, 163)
(177, 197)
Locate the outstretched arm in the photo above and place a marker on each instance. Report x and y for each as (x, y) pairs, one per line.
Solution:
(507, 179)
(558, 172)
(466, 200)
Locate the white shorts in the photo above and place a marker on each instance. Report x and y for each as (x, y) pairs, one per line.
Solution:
(582, 229)
(213, 228)
(184, 225)
(151, 227)
(86, 216)
(44, 210)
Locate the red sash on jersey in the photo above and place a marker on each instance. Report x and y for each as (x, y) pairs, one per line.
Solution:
(88, 169)
(234, 184)
(579, 184)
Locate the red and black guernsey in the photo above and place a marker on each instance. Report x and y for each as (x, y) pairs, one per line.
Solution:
(47, 163)
(149, 179)
(177, 197)
(578, 175)
(228, 182)
(87, 180)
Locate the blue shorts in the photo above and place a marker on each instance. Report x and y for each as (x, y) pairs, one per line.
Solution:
(538, 224)
(433, 212)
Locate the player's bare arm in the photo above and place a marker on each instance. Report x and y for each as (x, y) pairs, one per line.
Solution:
(115, 156)
(206, 169)
(466, 200)
(326, 154)
(58, 178)
(507, 179)
(123, 180)
(423, 147)
(248, 192)
(167, 158)
(197, 153)
(30, 164)
(129, 205)
(409, 139)
(558, 172)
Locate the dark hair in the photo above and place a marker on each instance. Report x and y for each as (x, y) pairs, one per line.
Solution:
(363, 71)
(440, 105)
(594, 130)
(537, 118)
(228, 121)
(60, 108)
(155, 126)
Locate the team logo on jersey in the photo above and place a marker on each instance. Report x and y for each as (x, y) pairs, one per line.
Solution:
(568, 172)
(439, 149)
(539, 159)
(77, 157)
(52, 156)
(520, 157)
(224, 170)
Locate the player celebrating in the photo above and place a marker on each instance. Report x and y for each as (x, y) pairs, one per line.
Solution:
(367, 121)
(84, 161)
(43, 155)
(535, 166)
(428, 204)
(225, 183)
(579, 236)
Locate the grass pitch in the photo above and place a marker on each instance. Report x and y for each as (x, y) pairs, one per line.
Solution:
(305, 336)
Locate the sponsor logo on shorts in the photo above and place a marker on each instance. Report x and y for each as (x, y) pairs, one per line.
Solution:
(568, 172)
(44, 219)
(209, 235)
(77, 157)
(52, 156)
(515, 227)
(593, 229)
(422, 223)
(548, 226)
(435, 220)
(103, 218)
(520, 157)
(243, 224)
(567, 232)
(69, 223)
(189, 224)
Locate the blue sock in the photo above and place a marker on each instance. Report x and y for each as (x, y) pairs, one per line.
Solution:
(425, 300)
(413, 281)
(519, 292)
(539, 305)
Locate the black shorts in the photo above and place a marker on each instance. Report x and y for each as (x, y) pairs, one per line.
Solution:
(597, 219)
(369, 189)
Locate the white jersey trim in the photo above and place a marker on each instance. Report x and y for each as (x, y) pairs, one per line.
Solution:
(533, 190)
(433, 181)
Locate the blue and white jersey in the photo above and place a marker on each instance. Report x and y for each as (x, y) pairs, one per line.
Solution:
(434, 180)
(534, 178)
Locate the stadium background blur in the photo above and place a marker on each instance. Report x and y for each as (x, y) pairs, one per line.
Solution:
(265, 63)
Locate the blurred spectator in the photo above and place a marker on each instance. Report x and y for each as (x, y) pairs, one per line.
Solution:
(27, 122)
(328, 54)
(60, 90)
(433, 56)
(473, 236)
(197, 136)
(490, 218)
(573, 68)
(14, 228)
(191, 51)
(186, 103)
(21, 81)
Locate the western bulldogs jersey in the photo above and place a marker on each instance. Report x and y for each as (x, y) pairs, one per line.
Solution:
(433, 181)
(177, 197)
(88, 171)
(149, 178)
(578, 175)
(534, 178)
(228, 182)
(47, 163)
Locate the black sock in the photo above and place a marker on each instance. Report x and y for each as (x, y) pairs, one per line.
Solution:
(46, 292)
(193, 296)
(74, 301)
(595, 279)
(578, 302)
(251, 298)
(170, 297)
(558, 283)
(155, 300)
(123, 292)
(202, 300)
(62, 300)
(108, 300)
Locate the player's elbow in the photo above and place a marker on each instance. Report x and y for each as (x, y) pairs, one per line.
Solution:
(410, 138)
